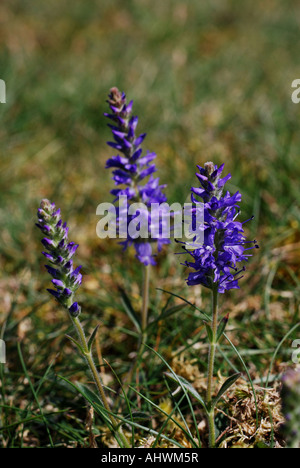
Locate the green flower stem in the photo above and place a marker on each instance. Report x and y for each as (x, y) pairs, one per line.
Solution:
(211, 365)
(145, 307)
(144, 323)
(89, 358)
(212, 429)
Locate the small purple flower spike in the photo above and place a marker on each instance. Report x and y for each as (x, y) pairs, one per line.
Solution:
(66, 280)
(131, 168)
(224, 246)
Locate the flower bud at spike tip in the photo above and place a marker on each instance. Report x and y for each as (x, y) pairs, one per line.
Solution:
(66, 280)
(209, 167)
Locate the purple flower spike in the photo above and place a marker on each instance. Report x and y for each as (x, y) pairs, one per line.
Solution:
(131, 169)
(216, 260)
(66, 281)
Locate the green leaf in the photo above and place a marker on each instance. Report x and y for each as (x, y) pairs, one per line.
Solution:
(205, 316)
(138, 416)
(169, 417)
(92, 337)
(248, 375)
(92, 398)
(130, 310)
(168, 313)
(209, 332)
(86, 395)
(78, 345)
(262, 445)
(277, 351)
(229, 382)
(187, 386)
(222, 327)
(185, 394)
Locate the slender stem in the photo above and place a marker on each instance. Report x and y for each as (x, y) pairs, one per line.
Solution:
(211, 365)
(89, 358)
(144, 323)
(145, 307)
(212, 429)
(99, 355)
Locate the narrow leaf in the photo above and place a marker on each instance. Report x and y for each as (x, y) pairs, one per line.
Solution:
(209, 332)
(168, 313)
(262, 445)
(92, 337)
(92, 398)
(229, 382)
(222, 327)
(205, 316)
(169, 417)
(185, 394)
(138, 416)
(187, 386)
(78, 345)
(130, 310)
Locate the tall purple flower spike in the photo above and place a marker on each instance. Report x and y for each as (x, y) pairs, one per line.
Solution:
(59, 252)
(131, 168)
(224, 247)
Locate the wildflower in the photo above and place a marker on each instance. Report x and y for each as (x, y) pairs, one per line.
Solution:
(66, 280)
(131, 169)
(59, 252)
(216, 260)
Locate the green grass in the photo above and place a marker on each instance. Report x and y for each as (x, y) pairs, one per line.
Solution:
(210, 81)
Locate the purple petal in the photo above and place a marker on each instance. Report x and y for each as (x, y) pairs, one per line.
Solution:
(56, 294)
(140, 139)
(47, 242)
(58, 283)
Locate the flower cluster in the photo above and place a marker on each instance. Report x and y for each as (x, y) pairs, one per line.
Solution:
(59, 252)
(291, 407)
(224, 246)
(131, 169)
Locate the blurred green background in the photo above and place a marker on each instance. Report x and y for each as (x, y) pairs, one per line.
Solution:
(210, 81)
